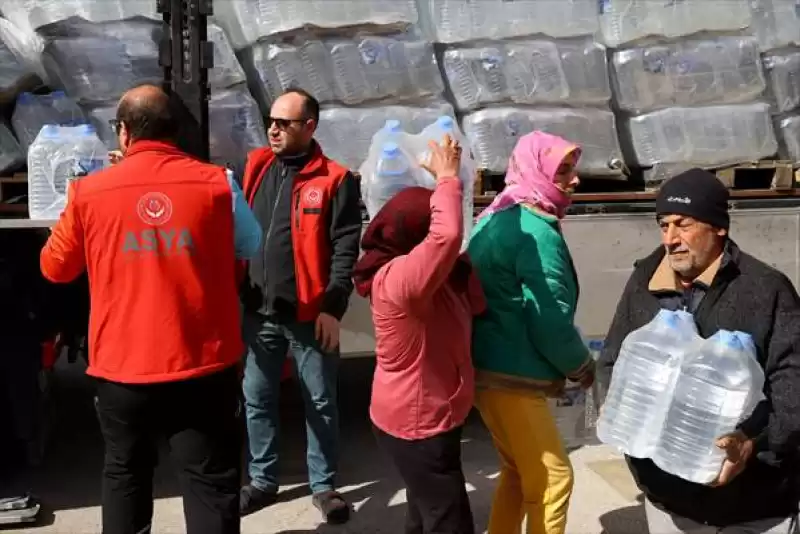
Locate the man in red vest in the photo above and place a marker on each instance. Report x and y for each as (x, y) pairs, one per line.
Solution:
(159, 234)
(295, 293)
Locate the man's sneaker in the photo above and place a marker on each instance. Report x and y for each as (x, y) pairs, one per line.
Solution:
(253, 499)
(333, 507)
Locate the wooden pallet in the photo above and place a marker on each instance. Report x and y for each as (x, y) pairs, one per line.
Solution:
(757, 179)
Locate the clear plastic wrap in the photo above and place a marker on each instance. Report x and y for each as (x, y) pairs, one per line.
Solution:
(569, 71)
(97, 62)
(14, 69)
(782, 69)
(787, 129)
(11, 155)
(721, 70)
(493, 133)
(350, 71)
(702, 136)
(345, 134)
(100, 117)
(248, 21)
(33, 14)
(455, 21)
(235, 125)
(776, 23)
(34, 111)
(624, 21)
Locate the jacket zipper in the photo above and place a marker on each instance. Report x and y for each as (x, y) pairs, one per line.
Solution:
(284, 172)
(297, 209)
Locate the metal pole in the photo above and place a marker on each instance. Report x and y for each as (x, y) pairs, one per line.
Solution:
(186, 56)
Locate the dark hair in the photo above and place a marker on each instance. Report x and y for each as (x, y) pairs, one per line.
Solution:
(310, 104)
(151, 118)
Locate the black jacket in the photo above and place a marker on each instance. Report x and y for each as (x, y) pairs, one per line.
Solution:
(270, 287)
(749, 296)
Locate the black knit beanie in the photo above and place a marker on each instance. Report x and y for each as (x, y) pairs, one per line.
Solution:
(695, 193)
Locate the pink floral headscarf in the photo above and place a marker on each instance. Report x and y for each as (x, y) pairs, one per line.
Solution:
(530, 178)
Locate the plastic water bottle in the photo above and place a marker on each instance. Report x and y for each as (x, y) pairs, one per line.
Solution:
(641, 384)
(392, 174)
(718, 386)
(58, 155)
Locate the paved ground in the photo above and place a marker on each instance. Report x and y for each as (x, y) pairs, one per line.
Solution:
(604, 501)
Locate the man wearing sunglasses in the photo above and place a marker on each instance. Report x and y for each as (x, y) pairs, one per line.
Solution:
(295, 292)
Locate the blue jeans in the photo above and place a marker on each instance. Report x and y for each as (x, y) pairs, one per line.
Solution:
(268, 344)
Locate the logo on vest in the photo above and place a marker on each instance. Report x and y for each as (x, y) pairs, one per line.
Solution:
(154, 209)
(314, 197)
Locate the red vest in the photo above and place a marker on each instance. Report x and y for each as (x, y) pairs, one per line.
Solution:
(312, 193)
(158, 238)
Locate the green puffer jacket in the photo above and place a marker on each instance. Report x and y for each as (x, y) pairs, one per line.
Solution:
(527, 339)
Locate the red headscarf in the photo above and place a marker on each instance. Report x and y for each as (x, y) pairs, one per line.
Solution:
(402, 224)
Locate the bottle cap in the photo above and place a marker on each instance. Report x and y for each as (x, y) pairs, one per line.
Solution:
(445, 122)
(86, 129)
(730, 339)
(392, 125)
(391, 150)
(25, 98)
(49, 130)
(58, 94)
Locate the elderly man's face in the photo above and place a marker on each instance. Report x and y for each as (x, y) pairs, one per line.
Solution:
(691, 246)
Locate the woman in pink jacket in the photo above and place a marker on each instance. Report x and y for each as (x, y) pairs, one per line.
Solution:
(423, 296)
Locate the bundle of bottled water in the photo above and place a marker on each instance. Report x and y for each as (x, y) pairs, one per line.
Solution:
(11, 155)
(348, 70)
(345, 133)
(624, 21)
(34, 14)
(688, 72)
(58, 155)
(540, 71)
(705, 136)
(249, 21)
(493, 133)
(393, 164)
(235, 126)
(451, 21)
(34, 111)
(673, 394)
(12, 69)
(776, 23)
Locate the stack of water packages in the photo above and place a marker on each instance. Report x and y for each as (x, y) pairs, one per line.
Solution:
(58, 155)
(513, 67)
(673, 394)
(393, 164)
(694, 101)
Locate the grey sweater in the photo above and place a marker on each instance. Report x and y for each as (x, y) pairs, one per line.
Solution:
(750, 296)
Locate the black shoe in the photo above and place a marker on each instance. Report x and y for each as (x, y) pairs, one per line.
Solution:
(253, 499)
(334, 508)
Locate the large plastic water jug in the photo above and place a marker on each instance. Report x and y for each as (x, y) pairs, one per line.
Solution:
(394, 172)
(58, 155)
(645, 372)
(718, 386)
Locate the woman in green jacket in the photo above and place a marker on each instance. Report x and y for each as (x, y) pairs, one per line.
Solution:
(526, 345)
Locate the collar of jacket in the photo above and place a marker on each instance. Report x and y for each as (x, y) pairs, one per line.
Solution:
(313, 166)
(162, 147)
(657, 279)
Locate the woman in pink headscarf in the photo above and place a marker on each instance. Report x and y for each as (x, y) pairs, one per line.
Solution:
(526, 345)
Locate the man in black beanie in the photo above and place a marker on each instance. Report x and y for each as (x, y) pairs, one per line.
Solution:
(698, 268)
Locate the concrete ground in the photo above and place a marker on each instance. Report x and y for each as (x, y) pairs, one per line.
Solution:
(604, 501)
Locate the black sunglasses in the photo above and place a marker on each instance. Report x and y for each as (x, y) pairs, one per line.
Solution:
(283, 124)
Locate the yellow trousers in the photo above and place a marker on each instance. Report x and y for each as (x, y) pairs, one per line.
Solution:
(536, 474)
